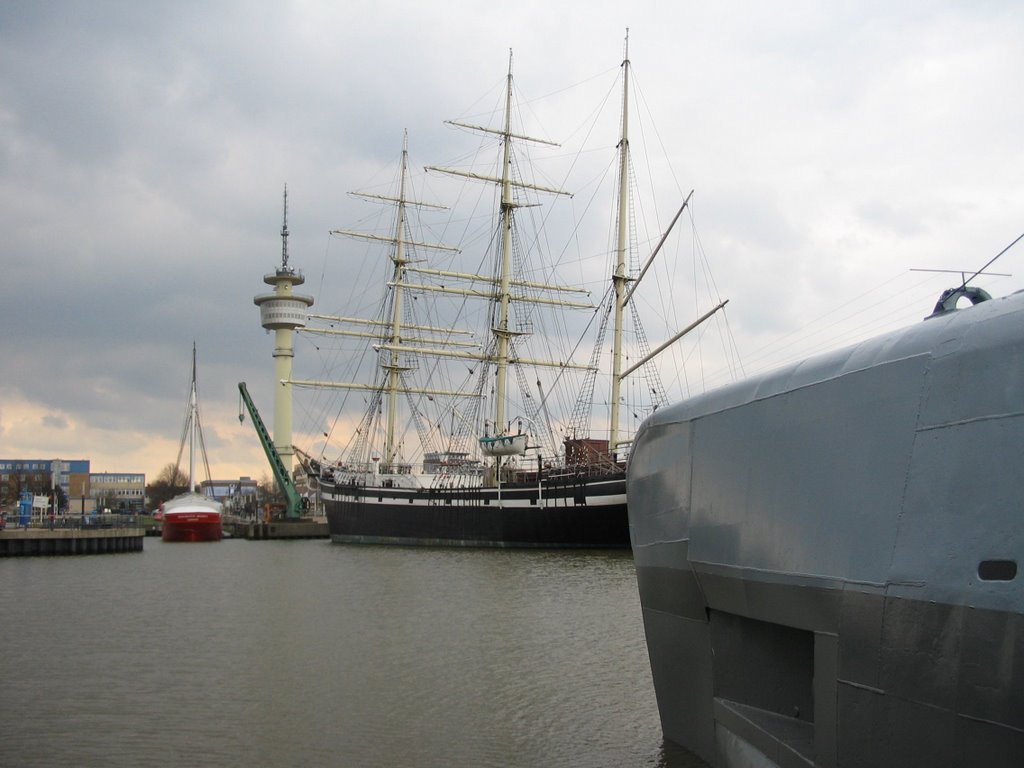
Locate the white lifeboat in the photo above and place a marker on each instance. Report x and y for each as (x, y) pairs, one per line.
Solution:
(503, 445)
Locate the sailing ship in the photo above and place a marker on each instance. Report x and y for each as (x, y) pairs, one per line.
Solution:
(191, 516)
(827, 555)
(482, 487)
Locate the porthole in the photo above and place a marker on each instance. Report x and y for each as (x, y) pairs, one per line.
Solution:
(997, 570)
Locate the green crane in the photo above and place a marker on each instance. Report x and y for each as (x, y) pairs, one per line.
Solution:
(284, 482)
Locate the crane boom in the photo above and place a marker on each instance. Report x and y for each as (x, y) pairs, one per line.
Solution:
(284, 482)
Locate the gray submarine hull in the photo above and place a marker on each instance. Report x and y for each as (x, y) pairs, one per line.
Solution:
(827, 555)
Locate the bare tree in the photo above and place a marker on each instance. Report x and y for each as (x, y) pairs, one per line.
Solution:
(269, 491)
(170, 481)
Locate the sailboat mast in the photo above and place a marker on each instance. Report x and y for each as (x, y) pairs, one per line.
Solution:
(619, 277)
(396, 311)
(192, 407)
(501, 332)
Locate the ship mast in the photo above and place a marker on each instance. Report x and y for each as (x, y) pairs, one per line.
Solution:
(396, 310)
(504, 284)
(619, 277)
(499, 287)
(501, 332)
(192, 431)
(193, 411)
(390, 332)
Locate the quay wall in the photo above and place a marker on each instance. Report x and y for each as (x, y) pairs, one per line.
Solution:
(69, 541)
(284, 529)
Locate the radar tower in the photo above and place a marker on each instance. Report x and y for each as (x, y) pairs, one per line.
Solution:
(282, 312)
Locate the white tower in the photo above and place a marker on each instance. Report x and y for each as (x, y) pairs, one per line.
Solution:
(282, 312)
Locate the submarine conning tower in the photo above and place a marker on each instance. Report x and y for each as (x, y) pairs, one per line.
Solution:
(829, 555)
(282, 312)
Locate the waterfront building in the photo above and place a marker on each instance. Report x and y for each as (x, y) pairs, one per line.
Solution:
(235, 495)
(119, 490)
(40, 475)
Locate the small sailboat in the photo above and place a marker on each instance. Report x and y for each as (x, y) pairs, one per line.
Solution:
(191, 516)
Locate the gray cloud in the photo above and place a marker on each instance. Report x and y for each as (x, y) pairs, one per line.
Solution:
(144, 146)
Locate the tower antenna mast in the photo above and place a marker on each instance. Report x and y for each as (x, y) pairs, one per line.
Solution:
(284, 231)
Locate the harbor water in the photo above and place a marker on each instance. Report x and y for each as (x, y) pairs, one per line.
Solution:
(307, 653)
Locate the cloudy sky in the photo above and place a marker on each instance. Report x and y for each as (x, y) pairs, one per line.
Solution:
(834, 148)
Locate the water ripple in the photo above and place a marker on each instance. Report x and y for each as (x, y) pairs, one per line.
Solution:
(314, 654)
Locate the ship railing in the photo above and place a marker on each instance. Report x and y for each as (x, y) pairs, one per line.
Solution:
(353, 468)
(457, 480)
(396, 469)
(572, 472)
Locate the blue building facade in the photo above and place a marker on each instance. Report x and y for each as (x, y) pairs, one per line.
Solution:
(39, 475)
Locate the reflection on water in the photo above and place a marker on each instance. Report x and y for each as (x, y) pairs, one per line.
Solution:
(310, 653)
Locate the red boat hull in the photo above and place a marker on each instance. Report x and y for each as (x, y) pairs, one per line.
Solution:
(191, 526)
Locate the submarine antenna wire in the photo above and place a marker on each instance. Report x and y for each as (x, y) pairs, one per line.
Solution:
(993, 260)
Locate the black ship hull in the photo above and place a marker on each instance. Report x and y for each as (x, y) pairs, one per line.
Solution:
(589, 514)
